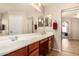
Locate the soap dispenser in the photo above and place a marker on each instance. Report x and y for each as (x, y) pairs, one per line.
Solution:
(35, 26)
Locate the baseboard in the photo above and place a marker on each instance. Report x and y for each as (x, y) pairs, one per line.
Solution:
(56, 49)
(74, 39)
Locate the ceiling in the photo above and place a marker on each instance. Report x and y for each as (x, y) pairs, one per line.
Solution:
(23, 6)
(16, 7)
(27, 7)
(72, 13)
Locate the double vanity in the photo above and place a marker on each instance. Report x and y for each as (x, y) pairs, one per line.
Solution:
(34, 44)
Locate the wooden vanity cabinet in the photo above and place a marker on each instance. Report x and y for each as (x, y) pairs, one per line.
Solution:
(39, 48)
(51, 43)
(34, 49)
(19, 52)
(43, 47)
(35, 53)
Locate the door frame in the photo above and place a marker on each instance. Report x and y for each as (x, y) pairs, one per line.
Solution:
(65, 10)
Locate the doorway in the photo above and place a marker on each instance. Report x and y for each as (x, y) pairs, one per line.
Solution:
(65, 29)
(70, 28)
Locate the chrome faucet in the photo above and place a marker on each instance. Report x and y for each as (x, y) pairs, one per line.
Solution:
(43, 31)
(13, 38)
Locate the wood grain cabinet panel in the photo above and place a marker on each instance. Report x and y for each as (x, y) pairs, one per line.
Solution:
(50, 44)
(52, 40)
(33, 46)
(43, 49)
(19, 52)
(43, 40)
(34, 49)
(35, 53)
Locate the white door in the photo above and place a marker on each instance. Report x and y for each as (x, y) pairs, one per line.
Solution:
(15, 24)
(30, 25)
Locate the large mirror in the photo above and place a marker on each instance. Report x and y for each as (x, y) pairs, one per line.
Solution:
(44, 21)
(40, 21)
(11, 24)
(48, 22)
(19, 18)
(23, 19)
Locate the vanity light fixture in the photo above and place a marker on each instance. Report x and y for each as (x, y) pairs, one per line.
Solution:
(40, 20)
(49, 16)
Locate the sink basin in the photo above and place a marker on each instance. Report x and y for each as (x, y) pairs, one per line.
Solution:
(7, 45)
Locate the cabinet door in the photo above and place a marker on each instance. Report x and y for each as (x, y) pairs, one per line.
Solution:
(33, 46)
(34, 49)
(52, 41)
(20, 52)
(34, 53)
(43, 49)
(50, 45)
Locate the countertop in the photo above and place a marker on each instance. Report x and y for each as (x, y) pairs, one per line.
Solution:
(8, 46)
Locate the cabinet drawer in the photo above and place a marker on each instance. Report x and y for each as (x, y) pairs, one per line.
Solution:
(33, 46)
(35, 53)
(19, 52)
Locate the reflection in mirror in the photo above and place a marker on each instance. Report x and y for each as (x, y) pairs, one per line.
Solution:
(3, 24)
(48, 22)
(44, 22)
(40, 21)
(12, 23)
(21, 20)
(20, 24)
(15, 24)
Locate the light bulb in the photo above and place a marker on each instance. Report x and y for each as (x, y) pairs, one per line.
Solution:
(77, 16)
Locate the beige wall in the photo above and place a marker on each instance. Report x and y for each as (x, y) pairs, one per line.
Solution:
(75, 29)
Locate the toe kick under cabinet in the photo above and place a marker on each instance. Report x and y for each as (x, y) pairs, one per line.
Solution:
(39, 48)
